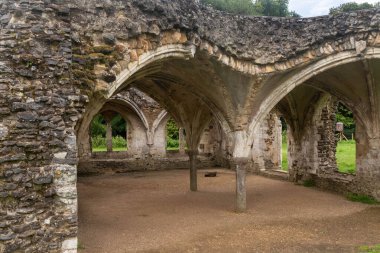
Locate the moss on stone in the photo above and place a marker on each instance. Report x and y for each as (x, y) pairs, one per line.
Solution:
(79, 73)
(103, 49)
(87, 82)
(9, 202)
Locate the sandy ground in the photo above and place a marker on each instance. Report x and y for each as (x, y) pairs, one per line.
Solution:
(156, 212)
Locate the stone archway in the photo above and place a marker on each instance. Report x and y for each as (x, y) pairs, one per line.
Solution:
(291, 80)
(353, 79)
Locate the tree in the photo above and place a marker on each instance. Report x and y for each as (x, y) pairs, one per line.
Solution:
(172, 133)
(119, 126)
(352, 6)
(98, 127)
(277, 8)
(345, 116)
(234, 6)
(172, 130)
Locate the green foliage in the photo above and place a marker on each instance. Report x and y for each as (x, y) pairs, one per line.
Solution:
(99, 143)
(283, 125)
(118, 126)
(104, 149)
(284, 162)
(345, 116)
(370, 249)
(352, 6)
(277, 8)
(98, 126)
(346, 156)
(171, 143)
(119, 142)
(284, 149)
(362, 199)
(245, 7)
(172, 132)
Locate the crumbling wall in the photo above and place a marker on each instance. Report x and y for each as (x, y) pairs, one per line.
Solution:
(312, 145)
(267, 146)
(210, 142)
(39, 108)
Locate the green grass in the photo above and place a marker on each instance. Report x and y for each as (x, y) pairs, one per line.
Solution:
(346, 156)
(104, 149)
(370, 249)
(362, 199)
(284, 162)
(172, 148)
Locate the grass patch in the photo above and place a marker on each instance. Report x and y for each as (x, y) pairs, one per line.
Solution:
(172, 148)
(362, 199)
(99, 144)
(370, 249)
(284, 162)
(104, 149)
(346, 156)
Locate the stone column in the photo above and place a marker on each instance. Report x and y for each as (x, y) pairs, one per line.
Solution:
(182, 142)
(109, 137)
(193, 169)
(241, 157)
(241, 195)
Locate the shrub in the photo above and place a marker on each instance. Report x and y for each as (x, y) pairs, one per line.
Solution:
(172, 143)
(119, 142)
(98, 142)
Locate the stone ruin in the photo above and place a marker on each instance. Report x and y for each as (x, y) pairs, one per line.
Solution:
(225, 79)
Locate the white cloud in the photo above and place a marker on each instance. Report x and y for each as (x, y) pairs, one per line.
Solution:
(310, 8)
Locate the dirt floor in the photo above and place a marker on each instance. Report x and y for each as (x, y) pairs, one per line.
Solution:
(156, 212)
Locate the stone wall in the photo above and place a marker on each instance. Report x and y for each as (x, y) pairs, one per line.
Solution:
(125, 165)
(276, 39)
(267, 146)
(39, 108)
(312, 153)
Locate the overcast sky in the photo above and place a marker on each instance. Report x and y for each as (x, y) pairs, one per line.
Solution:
(310, 8)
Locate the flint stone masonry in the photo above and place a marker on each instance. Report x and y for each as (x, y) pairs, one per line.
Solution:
(62, 61)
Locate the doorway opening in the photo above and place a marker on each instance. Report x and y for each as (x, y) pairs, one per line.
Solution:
(346, 144)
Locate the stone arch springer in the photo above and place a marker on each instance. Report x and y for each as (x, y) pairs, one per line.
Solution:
(164, 52)
(135, 108)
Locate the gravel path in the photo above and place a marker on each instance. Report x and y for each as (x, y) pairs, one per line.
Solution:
(155, 212)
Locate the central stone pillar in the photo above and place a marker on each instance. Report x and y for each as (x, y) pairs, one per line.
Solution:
(182, 142)
(193, 169)
(241, 193)
(109, 136)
